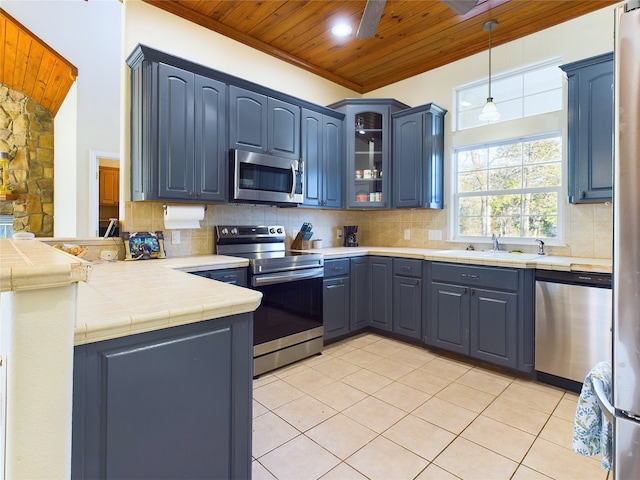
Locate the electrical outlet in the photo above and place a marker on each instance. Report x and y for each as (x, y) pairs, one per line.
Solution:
(108, 255)
(175, 237)
(338, 234)
(407, 234)
(435, 234)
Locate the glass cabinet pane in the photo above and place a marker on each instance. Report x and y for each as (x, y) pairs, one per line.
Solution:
(368, 156)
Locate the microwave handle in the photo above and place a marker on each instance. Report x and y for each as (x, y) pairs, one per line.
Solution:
(293, 181)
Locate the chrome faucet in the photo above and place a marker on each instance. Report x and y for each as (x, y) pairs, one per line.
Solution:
(494, 240)
(540, 246)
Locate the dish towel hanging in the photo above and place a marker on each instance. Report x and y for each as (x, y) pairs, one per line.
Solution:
(592, 432)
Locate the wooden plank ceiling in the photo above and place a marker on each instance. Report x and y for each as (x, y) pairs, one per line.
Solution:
(413, 36)
(29, 65)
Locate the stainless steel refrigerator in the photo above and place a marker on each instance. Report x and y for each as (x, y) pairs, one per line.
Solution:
(626, 249)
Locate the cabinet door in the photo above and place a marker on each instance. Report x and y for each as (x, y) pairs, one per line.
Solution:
(407, 160)
(335, 306)
(175, 132)
(312, 157)
(494, 327)
(134, 396)
(247, 120)
(109, 186)
(283, 129)
(210, 140)
(360, 294)
(333, 162)
(590, 129)
(381, 292)
(433, 151)
(407, 306)
(450, 317)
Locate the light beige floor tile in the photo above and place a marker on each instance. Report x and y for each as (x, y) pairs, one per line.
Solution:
(558, 431)
(317, 359)
(525, 473)
(434, 472)
(469, 461)
(499, 437)
(566, 409)
(543, 400)
(339, 395)
(419, 436)
(402, 396)
(446, 415)
(289, 370)
(424, 381)
(269, 432)
(390, 368)
(516, 415)
(561, 463)
(360, 357)
(343, 472)
(308, 380)
(364, 340)
(382, 459)
(374, 414)
(337, 368)
(484, 381)
(446, 368)
(466, 397)
(367, 381)
(413, 356)
(300, 459)
(341, 435)
(338, 349)
(275, 394)
(305, 412)
(541, 386)
(259, 409)
(384, 347)
(258, 472)
(264, 379)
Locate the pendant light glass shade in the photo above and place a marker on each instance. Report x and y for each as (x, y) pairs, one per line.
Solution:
(490, 110)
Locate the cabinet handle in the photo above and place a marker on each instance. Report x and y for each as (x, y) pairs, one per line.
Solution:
(190, 193)
(336, 269)
(583, 194)
(465, 290)
(404, 267)
(468, 275)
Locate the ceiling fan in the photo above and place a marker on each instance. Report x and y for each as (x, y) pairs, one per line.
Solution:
(373, 12)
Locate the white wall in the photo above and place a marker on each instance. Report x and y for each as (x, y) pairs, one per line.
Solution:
(87, 34)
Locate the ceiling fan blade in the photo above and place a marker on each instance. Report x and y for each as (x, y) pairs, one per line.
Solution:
(461, 7)
(370, 18)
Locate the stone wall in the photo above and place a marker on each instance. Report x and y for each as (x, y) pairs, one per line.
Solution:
(26, 133)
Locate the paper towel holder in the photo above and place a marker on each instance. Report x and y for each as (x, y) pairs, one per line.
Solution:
(164, 207)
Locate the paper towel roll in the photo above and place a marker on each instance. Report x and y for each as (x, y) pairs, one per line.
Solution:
(178, 217)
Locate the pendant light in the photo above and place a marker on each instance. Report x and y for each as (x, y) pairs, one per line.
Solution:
(490, 110)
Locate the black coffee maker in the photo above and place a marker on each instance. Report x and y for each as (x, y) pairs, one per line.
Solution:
(349, 235)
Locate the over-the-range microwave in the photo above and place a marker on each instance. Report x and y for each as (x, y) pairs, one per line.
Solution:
(262, 178)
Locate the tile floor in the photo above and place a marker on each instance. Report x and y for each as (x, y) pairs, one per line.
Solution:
(373, 407)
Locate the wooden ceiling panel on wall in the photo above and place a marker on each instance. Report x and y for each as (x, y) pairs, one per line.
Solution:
(412, 37)
(29, 65)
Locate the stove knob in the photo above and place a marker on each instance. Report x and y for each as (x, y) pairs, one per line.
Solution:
(280, 231)
(234, 231)
(225, 231)
(272, 230)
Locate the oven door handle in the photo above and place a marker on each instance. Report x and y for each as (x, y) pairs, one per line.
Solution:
(284, 277)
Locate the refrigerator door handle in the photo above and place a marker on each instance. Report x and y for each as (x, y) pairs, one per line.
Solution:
(601, 397)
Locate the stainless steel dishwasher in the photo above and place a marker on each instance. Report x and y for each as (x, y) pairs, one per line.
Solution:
(572, 322)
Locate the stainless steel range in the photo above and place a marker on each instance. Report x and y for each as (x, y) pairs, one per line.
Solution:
(288, 322)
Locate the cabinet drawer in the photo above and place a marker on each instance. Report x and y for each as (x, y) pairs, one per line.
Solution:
(407, 267)
(336, 268)
(235, 276)
(486, 277)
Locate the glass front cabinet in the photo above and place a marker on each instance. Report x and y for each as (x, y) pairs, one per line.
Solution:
(367, 126)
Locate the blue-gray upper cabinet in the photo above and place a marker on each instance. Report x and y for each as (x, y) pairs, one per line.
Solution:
(418, 157)
(590, 129)
(322, 159)
(263, 124)
(178, 134)
(367, 127)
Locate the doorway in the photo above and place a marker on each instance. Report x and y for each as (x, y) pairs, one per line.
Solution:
(105, 195)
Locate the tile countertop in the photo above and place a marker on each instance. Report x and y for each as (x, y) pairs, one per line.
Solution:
(124, 298)
(31, 265)
(477, 257)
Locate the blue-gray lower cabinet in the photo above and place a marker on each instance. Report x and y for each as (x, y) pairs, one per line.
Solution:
(381, 292)
(336, 298)
(172, 403)
(360, 293)
(483, 312)
(407, 297)
(234, 276)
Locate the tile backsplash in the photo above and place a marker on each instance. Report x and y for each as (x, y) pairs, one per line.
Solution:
(588, 228)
